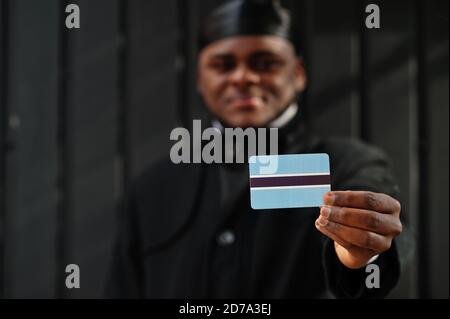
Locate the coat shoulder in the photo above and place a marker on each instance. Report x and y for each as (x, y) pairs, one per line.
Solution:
(357, 165)
(344, 148)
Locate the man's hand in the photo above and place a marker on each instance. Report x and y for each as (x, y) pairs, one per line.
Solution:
(362, 224)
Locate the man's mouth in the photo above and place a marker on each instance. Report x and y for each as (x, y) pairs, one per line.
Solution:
(246, 102)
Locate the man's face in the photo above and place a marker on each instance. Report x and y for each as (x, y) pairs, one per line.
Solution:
(247, 81)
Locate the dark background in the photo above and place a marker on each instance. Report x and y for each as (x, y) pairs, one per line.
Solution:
(84, 111)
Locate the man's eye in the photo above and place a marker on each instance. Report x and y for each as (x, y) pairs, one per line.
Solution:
(222, 66)
(265, 65)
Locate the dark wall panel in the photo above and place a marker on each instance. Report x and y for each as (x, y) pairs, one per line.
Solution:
(152, 80)
(436, 45)
(333, 57)
(32, 166)
(92, 110)
(3, 116)
(392, 81)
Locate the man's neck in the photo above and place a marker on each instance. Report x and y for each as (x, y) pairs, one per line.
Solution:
(285, 117)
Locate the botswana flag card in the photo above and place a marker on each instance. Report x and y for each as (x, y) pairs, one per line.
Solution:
(288, 181)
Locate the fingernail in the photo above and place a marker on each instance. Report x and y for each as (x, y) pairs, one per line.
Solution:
(325, 211)
(331, 198)
(322, 221)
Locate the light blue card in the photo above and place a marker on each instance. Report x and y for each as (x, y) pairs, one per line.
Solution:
(288, 181)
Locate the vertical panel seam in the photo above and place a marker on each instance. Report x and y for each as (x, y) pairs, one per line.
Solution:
(62, 233)
(423, 139)
(183, 60)
(364, 80)
(3, 139)
(123, 148)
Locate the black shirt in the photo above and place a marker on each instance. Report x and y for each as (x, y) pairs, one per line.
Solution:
(179, 238)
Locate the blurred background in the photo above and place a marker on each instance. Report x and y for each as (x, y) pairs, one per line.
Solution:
(84, 111)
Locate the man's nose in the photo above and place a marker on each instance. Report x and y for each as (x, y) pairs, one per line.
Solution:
(243, 75)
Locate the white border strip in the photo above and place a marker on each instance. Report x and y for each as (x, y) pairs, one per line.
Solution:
(289, 187)
(282, 175)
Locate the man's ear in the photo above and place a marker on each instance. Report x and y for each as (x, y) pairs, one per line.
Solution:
(300, 75)
(198, 75)
(198, 82)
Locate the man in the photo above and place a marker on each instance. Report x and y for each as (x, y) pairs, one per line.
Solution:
(189, 231)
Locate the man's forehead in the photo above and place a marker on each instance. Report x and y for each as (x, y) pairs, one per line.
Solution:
(249, 45)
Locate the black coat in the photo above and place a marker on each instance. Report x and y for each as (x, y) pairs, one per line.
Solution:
(177, 240)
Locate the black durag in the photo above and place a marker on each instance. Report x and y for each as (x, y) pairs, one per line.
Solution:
(247, 17)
